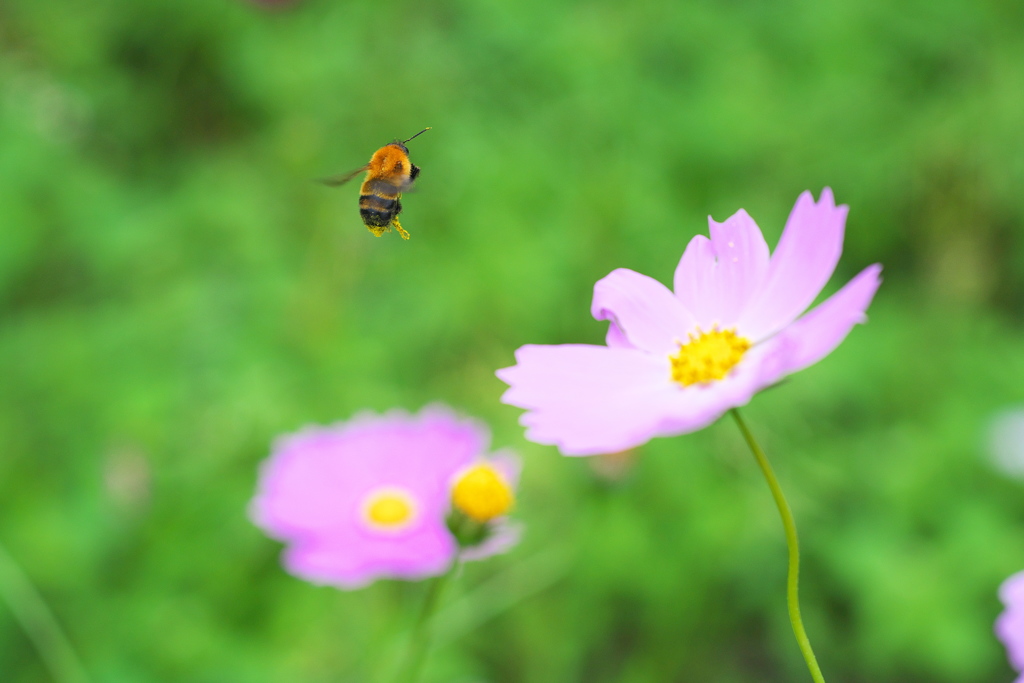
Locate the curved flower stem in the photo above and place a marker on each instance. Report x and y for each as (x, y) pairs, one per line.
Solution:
(793, 577)
(420, 644)
(38, 621)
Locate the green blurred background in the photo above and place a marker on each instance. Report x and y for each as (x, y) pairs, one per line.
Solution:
(175, 291)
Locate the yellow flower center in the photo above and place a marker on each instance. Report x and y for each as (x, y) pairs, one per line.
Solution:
(708, 356)
(389, 509)
(482, 493)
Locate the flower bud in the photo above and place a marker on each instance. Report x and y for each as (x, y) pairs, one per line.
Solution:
(482, 493)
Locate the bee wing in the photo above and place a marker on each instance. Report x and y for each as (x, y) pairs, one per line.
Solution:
(386, 187)
(406, 185)
(336, 180)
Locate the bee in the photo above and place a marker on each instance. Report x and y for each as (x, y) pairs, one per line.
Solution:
(388, 175)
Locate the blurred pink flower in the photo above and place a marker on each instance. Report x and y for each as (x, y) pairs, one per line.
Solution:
(367, 499)
(675, 362)
(1010, 624)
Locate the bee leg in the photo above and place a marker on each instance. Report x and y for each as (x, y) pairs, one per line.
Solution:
(399, 228)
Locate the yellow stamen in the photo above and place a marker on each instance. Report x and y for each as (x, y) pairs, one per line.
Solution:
(482, 493)
(389, 509)
(708, 356)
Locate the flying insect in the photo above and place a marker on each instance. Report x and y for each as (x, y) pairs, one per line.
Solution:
(388, 174)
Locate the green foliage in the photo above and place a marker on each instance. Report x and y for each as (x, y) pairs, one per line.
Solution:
(175, 291)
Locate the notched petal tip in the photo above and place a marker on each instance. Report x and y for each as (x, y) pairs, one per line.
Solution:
(801, 265)
(827, 202)
(740, 217)
(508, 374)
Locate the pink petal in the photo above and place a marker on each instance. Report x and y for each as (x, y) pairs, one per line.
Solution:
(804, 260)
(643, 309)
(1009, 627)
(1011, 592)
(349, 563)
(616, 338)
(592, 399)
(299, 487)
(694, 281)
(818, 333)
(716, 278)
(504, 536)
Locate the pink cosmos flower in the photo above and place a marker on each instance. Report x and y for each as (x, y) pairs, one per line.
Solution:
(367, 499)
(1010, 624)
(676, 361)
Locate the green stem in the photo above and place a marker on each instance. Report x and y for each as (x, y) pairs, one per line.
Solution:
(38, 621)
(421, 634)
(793, 577)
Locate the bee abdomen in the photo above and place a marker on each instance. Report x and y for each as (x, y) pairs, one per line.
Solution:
(375, 202)
(378, 211)
(380, 219)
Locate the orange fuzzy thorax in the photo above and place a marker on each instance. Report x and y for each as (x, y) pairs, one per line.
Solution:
(391, 162)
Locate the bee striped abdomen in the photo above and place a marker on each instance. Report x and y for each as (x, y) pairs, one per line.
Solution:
(376, 210)
(378, 203)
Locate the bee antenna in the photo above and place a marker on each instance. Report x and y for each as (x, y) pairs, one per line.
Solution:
(417, 134)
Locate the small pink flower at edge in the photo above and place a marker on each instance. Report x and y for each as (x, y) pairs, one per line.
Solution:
(367, 499)
(675, 362)
(1010, 624)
